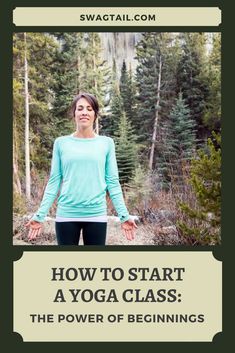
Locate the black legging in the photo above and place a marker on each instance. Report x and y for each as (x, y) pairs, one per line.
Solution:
(93, 233)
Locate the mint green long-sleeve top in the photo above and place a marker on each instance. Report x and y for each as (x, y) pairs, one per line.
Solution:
(83, 169)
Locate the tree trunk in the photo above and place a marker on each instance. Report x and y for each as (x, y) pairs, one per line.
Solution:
(95, 83)
(27, 151)
(78, 70)
(78, 76)
(155, 126)
(16, 178)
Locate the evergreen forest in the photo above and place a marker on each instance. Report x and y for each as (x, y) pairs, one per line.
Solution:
(163, 112)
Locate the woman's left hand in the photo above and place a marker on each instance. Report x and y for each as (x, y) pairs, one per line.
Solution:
(128, 229)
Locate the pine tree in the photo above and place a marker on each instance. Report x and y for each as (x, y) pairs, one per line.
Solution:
(113, 105)
(203, 219)
(112, 121)
(42, 51)
(67, 75)
(96, 76)
(146, 77)
(26, 98)
(18, 112)
(191, 78)
(127, 91)
(177, 147)
(212, 115)
(131, 95)
(139, 191)
(82, 70)
(126, 150)
(40, 57)
(155, 84)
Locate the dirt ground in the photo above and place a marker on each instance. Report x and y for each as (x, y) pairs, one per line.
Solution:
(145, 234)
(114, 236)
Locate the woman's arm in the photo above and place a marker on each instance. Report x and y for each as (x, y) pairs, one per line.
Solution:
(115, 192)
(52, 187)
(113, 185)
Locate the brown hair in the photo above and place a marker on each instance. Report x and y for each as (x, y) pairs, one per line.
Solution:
(91, 100)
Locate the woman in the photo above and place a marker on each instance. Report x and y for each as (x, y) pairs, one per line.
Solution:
(83, 167)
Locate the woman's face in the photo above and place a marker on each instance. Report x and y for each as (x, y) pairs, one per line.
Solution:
(84, 114)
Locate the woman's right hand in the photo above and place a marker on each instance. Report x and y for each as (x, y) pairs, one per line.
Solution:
(35, 229)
